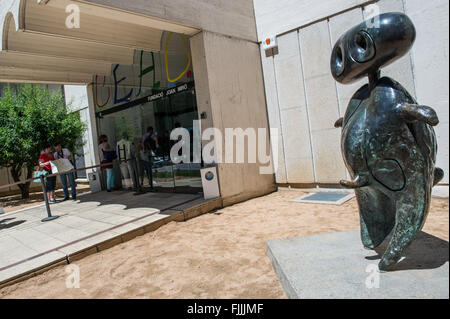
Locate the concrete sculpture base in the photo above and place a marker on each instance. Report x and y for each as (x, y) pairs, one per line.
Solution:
(337, 266)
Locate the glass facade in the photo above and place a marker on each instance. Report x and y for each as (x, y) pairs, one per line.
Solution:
(131, 122)
(157, 91)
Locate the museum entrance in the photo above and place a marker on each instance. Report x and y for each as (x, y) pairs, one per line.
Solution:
(139, 105)
(155, 116)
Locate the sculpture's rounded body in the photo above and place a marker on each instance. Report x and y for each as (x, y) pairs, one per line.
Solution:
(396, 160)
(388, 141)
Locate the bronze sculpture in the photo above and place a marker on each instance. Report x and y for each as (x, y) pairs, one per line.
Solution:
(388, 141)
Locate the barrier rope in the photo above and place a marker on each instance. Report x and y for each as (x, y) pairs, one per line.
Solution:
(42, 179)
(62, 173)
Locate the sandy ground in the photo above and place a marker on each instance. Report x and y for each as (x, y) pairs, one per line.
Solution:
(218, 255)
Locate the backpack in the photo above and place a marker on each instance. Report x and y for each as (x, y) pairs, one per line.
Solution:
(109, 155)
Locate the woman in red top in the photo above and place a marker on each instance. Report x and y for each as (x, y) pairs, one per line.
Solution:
(44, 162)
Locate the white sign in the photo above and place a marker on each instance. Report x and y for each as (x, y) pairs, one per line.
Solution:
(61, 165)
(270, 43)
(210, 183)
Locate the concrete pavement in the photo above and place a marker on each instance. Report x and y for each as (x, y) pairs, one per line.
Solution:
(92, 223)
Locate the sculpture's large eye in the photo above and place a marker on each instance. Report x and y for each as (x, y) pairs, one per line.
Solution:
(337, 61)
(362, 47)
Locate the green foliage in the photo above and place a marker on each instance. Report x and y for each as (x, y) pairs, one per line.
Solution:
(30, 118)
(164, 174)
(187, 173)
(179, 172)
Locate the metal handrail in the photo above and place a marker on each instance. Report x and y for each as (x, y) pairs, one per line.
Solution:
(42, 178)
(63, 173)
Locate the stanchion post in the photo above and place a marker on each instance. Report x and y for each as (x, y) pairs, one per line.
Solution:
(47, 205)
(151, 175)
(139, 190)
(173, 178)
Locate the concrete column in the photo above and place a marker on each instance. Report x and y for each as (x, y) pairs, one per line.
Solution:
(79, 98)
(230, 89)
(93, 132)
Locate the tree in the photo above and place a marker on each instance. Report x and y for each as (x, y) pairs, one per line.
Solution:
(30, 118)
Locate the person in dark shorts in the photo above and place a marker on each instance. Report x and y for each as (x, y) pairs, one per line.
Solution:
(107, 156)
(44, 163)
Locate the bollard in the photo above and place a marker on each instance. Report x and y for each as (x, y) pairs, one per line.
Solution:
(47, 205)
(152, 190)
(139, 190)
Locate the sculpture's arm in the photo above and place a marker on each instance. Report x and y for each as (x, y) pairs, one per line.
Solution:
(415, 112)
(339, 122)
(358, 182)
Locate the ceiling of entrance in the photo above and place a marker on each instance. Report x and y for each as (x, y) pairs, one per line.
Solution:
(36, 44)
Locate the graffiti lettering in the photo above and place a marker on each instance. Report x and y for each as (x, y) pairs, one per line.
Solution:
(143, 72)
(96, 92)
(116, 84)
(167, 64)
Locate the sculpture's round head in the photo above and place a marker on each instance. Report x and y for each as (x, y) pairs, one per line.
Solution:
(371, 45)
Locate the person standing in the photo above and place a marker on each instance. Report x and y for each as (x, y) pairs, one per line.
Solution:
(136, 148)
(64, 153)
(107, 156)
(127, 162)
(164, 144)
(44, 163)
(154, 140)
(147, 158)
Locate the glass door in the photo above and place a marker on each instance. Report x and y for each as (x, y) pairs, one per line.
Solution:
(156, 119)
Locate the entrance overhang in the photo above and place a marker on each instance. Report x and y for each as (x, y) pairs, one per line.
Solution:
(37, 46)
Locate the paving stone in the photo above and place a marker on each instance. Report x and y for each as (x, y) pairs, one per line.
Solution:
(94, 226)
(94, 215)
(84, 227)
(12, 251)
(76, 247)
(70, 234)
(117, 219)
(148, 220)
(73, 221)
(32, 264)
(37, 241)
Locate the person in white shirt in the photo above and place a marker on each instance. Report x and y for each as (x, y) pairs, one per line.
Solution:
(126, 150)
(60, 153)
